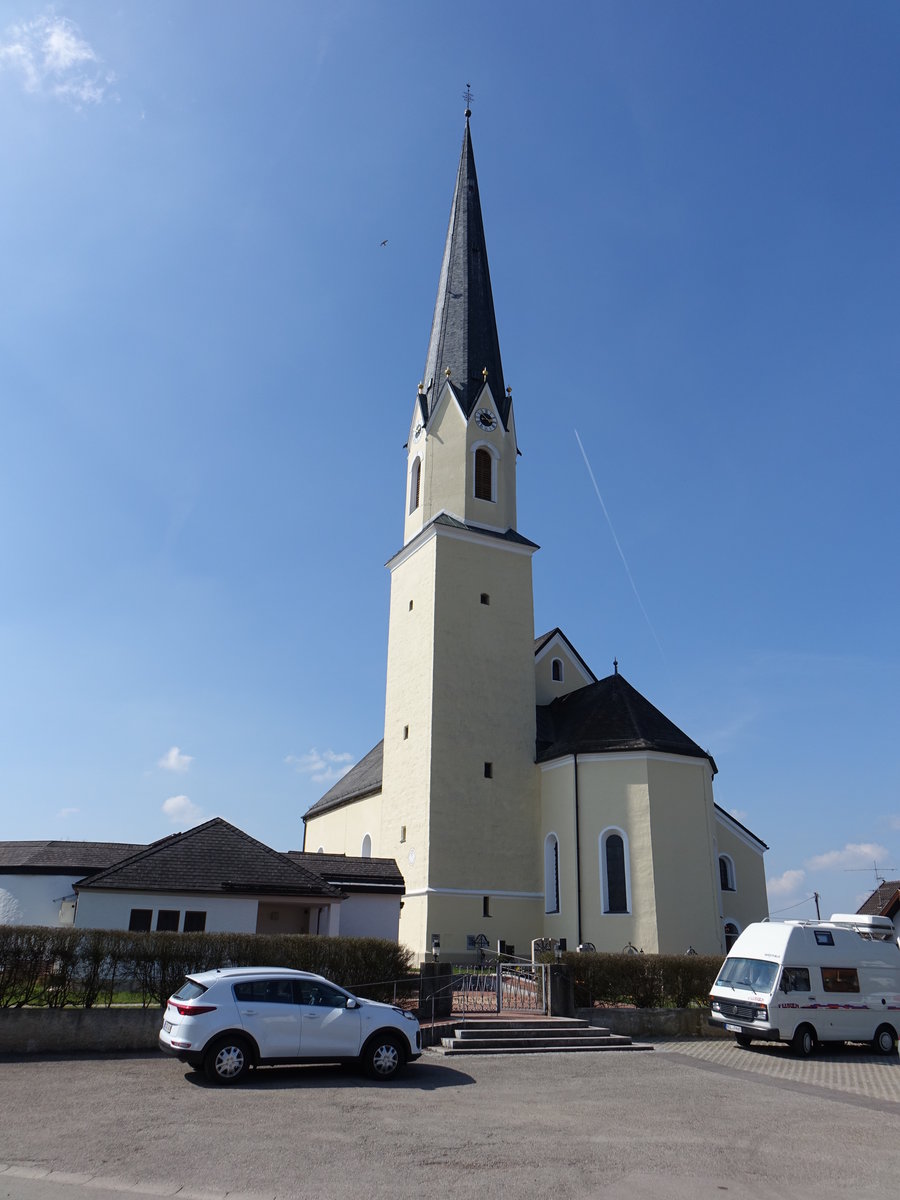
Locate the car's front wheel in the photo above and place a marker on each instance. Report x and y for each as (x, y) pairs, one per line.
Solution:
(804, 1041)
(382, 1058)
(743, 1040)
(227, 1060)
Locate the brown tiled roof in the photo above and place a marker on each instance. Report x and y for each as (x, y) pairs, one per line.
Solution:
(212, 858)
(887, 890)
(60, 857)
(352, 874)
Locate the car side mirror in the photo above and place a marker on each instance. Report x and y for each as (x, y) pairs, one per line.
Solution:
(352, 1002)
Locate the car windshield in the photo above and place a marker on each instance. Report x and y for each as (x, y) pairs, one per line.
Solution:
(750, 973)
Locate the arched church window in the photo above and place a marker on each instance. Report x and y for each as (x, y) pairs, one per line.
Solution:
(484, 474)
(415, 482)
(366, 851)
(556, 670)
(731, 934)
(615, 872)
(551, 873)
(726, 873)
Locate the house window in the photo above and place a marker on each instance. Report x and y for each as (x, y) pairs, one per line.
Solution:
(484, 474)
(551, 873)
(366, 850)
(485, 906)
(167, 920)
(194, 922)
(402, 833)
(485, 598)
(405, 732)
(556, 670)
(731, 934)
(726, 873)
(140, 920)
(410, 606)
(615, 871)
(489, 770)
(415, 479)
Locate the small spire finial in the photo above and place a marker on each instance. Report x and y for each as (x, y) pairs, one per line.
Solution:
(616, 665)
(509, 391)
(484, 374)
(447, 372)
(468, 97)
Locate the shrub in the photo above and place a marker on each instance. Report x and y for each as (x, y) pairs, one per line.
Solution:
(644, 980)
(55, 967)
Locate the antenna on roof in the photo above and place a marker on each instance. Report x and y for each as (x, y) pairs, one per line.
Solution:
(880, 875)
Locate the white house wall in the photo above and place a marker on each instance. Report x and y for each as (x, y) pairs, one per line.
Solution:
(35, 899)
(112, 910)
(371, 916)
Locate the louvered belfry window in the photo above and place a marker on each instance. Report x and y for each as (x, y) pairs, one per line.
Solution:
(484, 467)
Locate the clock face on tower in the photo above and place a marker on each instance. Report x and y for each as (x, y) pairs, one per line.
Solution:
(486, 419)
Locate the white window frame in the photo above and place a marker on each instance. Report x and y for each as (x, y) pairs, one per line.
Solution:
(552, 901)
(415, 484)
(495, 470)
(729, 871)
(366, 849)
(604, 882)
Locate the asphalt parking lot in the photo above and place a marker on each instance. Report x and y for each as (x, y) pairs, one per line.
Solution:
(690, 1120)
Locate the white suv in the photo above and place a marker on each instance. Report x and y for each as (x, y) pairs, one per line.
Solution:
(230, 1020)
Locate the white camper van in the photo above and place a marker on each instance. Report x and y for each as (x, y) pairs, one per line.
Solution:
(806, 982)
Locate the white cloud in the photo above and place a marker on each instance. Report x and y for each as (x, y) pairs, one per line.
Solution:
(739, 814)
(52, 58)
(182, 810)
(174, 760)
(786, 884)
(854, 854)
(322, 768)
(68, 812)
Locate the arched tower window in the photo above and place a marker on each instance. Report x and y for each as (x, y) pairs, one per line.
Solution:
(484, 474)
(556, 670)
(726, 873)
(615, 872)
(366, 851)
(415, 484)
(731, 934)
(551, 873)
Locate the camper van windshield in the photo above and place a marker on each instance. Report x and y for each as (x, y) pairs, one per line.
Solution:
(750, 973)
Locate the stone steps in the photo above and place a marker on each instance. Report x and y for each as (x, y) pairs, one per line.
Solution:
(554, 1036)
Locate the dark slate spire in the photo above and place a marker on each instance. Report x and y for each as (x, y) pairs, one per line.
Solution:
(464, 330)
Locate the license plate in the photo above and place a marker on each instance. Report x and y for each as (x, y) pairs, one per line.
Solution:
(167, 1026)
(733, 1028)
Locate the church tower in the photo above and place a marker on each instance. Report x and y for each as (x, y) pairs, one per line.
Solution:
(460, 787)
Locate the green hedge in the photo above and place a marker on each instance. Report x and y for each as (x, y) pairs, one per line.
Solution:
(644, 980)
(85, 967)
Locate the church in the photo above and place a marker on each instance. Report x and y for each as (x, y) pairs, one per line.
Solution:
(521, 796)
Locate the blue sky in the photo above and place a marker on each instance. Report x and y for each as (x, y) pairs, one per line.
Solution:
(208, 362)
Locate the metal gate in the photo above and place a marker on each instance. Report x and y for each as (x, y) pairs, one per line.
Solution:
(501, 983)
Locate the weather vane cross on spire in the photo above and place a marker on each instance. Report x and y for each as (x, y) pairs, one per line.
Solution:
(468, 97)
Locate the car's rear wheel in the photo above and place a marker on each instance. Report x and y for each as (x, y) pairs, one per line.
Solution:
(382, 1058)
(884, 1040)
(804, 1041)
(227, 1060)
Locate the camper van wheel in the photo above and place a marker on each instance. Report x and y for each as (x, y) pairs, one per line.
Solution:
(884, 1040)
(743, 1040)
(804, 1041)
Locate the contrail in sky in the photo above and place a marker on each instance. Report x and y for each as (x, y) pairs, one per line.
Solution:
(618, 547)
